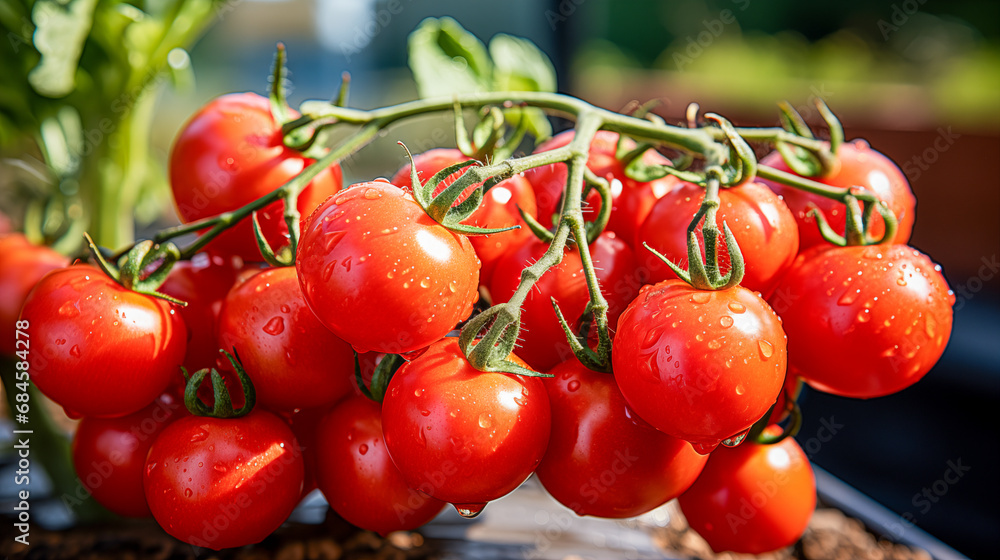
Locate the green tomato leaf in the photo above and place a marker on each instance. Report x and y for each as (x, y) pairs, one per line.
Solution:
(446, 59)
(519, 65)
(61, 29)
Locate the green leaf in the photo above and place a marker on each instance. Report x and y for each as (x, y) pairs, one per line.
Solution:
(520, 66)
(446, 59)
(61, 29)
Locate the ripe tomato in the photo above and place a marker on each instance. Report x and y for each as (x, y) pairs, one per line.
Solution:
(229, 154)
(602, 459)
(701, 366)
(222, 483)
(357, 476)
(763, 227)
(498, 209)
(292, 359)
(203, 283)
(22, 265)
(97, 348)
(860, 166)
(864, 322)
(461, 435)
(303, 423)
(109, 454)
(543, 343)
(752, 499)
(381, 274)
(631, 200)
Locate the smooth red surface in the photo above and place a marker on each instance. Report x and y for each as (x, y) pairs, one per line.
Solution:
(222, 483)
(358, 478)
(460, 435)
(602, 459)
(860, 166)
(542, 342)
(752, 499)
(864, 322)
(381, 274)
(702, 366)
(229, 154)
(763, 226)
(22, 265)
(97, 348)
(292, 359)
(109, 454)
(631, 200)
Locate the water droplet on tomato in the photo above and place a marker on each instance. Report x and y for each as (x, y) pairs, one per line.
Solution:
(363, 449)
(69, 309)
(406, 284)
(573, 386)
(425, 413)
(714, 344)
(485, 421)
(425, 283)
(704, 448)
(200, 435)
(864, 315)
(726, 321)
(469, 511)
(285, 309)
(930, 326)
(737, 307)
(701, 297)
(766, 349)
(275, 326)
(60, 341)
(372, 194)
(75, 351)
(328, 270)
(849, 296)
(735, 440)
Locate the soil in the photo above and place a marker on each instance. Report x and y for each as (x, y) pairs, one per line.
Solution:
(830, 536)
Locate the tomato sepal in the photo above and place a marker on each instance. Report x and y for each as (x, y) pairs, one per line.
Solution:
(222, 402)
(381, 377)
(133, 265)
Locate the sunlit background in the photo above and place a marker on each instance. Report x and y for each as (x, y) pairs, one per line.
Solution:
(919, 79)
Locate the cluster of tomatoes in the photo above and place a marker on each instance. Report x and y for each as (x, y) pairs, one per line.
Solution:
(375, 276)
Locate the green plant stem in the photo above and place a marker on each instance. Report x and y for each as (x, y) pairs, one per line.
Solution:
(801, 183)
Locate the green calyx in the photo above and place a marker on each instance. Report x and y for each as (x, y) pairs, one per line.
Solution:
(383, 373)
(222, 402)
(142, 269)
(860, 207)
(442, 208)
(597, 360)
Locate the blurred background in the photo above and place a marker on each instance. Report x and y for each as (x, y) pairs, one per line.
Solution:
(920, 80)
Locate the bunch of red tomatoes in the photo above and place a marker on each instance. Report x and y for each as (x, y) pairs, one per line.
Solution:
(374, 275)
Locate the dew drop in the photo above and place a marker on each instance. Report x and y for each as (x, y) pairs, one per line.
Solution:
(363, 449)
(864, 316)
(275, 326)
(740, 389)
(200, 435)
(425, 283)
(425, 413)
(60, 341)
(726, 321)
(766, 349)
(930, 326)
(75, 351)
(714, 344)
(485, 421)
(285, 309)
(328, 271)
(573, 386)
(737, 307)
(188, 493)
(700, 297)
(406, 284)
(469, 511)
(69, 309)
(452, 287)
(849, 297)
(372, 194)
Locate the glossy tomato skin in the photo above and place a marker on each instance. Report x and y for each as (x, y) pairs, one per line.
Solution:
(229, 154)
(97, 348)
(752, 499)
(860, 166)
(203, 283)
(358, 478)
(864, 322)
(22, 265)
(631, 200)
(381, 274)
(109, 454)
(460, 435)
(543, 344)
(699, 365)
(498, 209)
(763, 226)
(602, 459)
(222, 483)
(292, 359)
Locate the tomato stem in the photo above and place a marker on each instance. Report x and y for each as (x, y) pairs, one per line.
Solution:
(222, 402)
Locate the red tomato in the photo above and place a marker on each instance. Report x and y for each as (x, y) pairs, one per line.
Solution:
(864, 322)
(860, 166)
(631, 200)
(763, 227)
(203, 283)
(359, 479)
(498, 209)
(222, 483)
(543, 343)
(97, 348)
(229, 154)
(292, 359)
(702, 366)
(752, 499)
(602, 459)
(381, 274)
(109, 454)
(304, 422)
(22, 265)
(461, 435)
